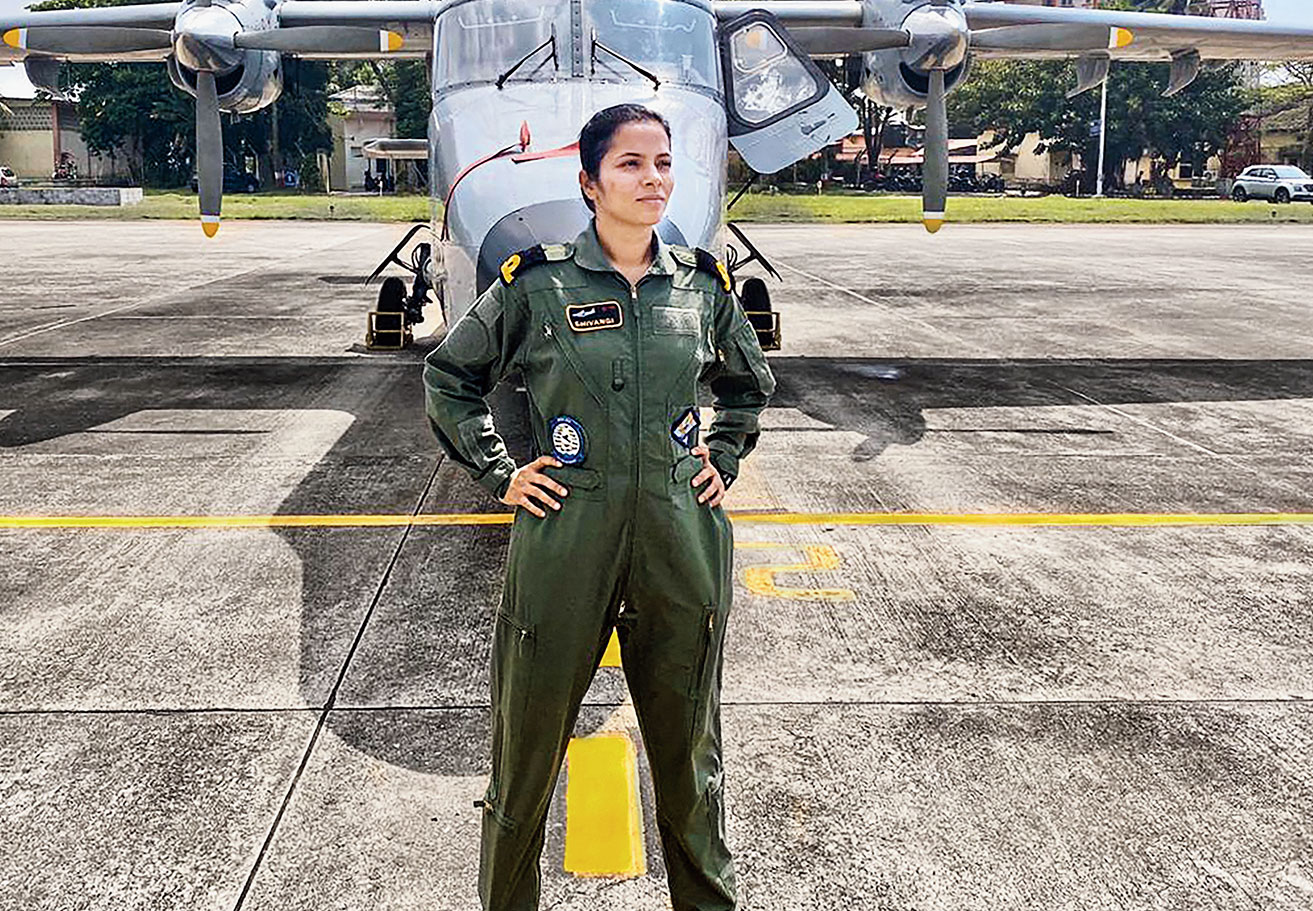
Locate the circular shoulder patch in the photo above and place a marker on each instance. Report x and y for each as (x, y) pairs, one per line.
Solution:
(568, 440)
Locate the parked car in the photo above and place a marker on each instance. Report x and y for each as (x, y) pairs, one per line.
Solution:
(1279, 183)
(234, 181)
(7, 177)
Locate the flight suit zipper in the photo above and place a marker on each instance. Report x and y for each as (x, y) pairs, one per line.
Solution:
(700, 684)
(638, 389)
(637, 433)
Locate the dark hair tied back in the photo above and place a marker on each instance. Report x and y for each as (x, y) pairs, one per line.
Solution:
(595, 137)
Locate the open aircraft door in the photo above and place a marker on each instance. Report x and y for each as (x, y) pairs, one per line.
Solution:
(780, 106)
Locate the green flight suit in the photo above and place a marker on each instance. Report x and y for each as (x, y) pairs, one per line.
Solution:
(630, 533)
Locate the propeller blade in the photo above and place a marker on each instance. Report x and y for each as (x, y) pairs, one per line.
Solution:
(844, 40)
(1051, 38)
(209, 152)
(92, 39)
(321, 39)
(934, 181)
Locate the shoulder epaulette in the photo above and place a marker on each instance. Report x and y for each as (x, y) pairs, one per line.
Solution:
(526, 259)
(708, 263)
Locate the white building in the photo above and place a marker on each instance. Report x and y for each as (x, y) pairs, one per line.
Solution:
(33, 134)
(356, 115)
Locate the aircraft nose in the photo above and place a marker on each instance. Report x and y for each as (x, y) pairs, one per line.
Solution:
(551, 222)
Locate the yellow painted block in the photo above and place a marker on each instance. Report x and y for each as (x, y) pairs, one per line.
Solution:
(603, 825)
(611, 657)
(820, 558)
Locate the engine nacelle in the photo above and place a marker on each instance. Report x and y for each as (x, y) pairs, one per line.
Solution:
(254, 83)
(889, 81)
(898, 78)
(246, 80)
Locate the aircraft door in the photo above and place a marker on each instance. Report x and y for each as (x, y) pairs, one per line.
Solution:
(780, 106)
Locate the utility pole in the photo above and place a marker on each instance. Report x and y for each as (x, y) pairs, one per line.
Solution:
(1103, 135)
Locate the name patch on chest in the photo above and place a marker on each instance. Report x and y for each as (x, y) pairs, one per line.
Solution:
(591, 317)
(676, 320)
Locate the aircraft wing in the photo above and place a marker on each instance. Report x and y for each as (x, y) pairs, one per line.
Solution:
(305, 22)
(1152, 36)
(412, 19)
(225, 56)
(1001, 29)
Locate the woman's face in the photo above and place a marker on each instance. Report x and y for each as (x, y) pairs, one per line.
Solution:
(633, 180)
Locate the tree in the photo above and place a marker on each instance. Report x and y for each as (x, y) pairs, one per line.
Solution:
(1015, 98)
(875, 118)
(1300, 74)
(405, 83)
(133, 111)
(292, 130)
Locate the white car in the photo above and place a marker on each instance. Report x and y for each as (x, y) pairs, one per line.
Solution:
(7, 177)
(1277, 182)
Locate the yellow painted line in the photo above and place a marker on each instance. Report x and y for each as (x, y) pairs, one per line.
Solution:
(1116, 520)
(603, 825)
(611, 657)
(272, 521)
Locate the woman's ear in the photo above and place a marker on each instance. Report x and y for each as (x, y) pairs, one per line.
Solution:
(585, 185)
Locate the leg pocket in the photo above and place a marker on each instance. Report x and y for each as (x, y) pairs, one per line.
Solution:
(512, 679)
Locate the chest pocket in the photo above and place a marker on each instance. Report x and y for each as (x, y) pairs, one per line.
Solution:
(680, 330)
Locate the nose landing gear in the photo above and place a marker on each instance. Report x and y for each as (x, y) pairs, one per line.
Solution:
(390, 323)
(754, 295)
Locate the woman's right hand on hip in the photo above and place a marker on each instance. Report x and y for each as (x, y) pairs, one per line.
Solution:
(529, 481)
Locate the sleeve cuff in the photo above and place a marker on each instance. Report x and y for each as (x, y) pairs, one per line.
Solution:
(727, 464)
(497, 479)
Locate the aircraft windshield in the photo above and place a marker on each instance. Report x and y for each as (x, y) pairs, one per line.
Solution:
(674, 40)
(480, 40)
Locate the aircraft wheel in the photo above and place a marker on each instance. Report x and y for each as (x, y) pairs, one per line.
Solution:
(1283, 196)
(392, 295)
(1239, 195)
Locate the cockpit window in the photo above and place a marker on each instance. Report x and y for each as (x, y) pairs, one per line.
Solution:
(674, 40)
(480, 40)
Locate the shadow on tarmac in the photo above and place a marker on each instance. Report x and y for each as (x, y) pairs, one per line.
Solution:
(443, 585)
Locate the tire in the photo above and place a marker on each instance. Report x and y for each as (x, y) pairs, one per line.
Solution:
(1239, 194)
(1282, 196)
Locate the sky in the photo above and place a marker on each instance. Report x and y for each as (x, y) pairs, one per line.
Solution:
(14, 84)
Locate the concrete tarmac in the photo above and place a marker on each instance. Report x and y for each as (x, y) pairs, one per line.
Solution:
(921, 716)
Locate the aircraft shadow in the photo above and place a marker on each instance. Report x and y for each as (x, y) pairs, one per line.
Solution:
(436, 611)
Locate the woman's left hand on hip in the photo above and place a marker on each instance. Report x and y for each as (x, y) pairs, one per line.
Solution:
(715, 491)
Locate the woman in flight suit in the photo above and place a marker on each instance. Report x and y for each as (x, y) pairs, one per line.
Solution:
(618, 521)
